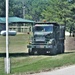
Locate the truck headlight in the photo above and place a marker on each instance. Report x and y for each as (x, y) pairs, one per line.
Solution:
(30, 41)
(50, 41)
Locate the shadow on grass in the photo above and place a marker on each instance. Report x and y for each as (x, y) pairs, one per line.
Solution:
(18, 54)
(14, 54)
(69, 52)
(65, 53)
(26, 54)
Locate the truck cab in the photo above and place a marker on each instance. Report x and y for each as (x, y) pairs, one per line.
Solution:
(48, 38)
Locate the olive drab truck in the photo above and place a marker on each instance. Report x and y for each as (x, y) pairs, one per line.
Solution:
(48, 38)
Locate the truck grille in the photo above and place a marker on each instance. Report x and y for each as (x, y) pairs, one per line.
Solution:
(41, 39)
(40, 42)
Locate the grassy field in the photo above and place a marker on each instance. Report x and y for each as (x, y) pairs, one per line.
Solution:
(22, 63)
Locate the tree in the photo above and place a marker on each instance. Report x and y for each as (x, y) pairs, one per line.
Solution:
(60, 11)
(2, 8)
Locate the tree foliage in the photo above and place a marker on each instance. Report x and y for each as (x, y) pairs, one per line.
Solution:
(61, 11)
(2, 8)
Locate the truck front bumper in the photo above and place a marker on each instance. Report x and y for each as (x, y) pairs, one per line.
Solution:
(39, 46)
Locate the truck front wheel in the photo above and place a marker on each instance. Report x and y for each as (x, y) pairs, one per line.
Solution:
(30, 51)
(53, 51)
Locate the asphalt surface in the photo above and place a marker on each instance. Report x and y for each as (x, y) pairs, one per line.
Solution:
(64, 71)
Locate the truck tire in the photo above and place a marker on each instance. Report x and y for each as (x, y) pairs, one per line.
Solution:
(63, 48)
(30, 51)
(60, 49)
(53, 51)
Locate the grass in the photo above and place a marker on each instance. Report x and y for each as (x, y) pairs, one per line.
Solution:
(33, 64)
(22, 63)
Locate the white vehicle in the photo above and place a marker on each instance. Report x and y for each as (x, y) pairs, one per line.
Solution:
(10, 33)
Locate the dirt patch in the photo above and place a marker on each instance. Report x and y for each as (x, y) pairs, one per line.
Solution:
(69, 43)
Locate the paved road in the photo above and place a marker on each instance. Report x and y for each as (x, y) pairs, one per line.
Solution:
(64, 71)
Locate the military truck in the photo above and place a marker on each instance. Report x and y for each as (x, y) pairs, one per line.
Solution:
(48, 38)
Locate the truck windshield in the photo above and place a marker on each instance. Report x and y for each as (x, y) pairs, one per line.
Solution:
(43, 28)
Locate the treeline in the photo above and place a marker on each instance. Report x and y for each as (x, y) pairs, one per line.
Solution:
(60, 11)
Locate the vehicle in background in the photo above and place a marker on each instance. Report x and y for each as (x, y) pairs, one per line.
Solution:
(10, 33)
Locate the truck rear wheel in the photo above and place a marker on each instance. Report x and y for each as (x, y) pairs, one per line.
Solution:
(63, 48)
(60, 48)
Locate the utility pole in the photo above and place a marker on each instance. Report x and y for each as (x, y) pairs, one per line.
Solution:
(7, 60)
(23, 11)
(24, 17)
